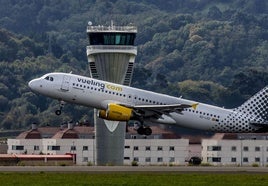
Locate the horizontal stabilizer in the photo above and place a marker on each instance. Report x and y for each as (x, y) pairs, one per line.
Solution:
(260, 124)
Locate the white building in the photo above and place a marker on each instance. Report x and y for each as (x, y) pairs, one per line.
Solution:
(162, 147)
(83, 148)
(239, 149)
(156, 151)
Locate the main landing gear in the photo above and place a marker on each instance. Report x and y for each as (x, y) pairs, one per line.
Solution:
(144, 130)
(141, 129)
(61, 103)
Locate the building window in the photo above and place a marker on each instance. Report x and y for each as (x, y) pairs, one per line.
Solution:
(233, 148)
(159, 148)
(17, 147)
(245, 148)
(73, 148)
(233, 160)
(53, 147)
(136, 159)
(245, 159)
(147, 148)
(85, 159)
(136, 148)
(36, 147)
(172, 159)
(147, 159)
(85, 148)
(214, 148)
(127, 147)
(126, 158)
(214, 159)
(159, 159)
(257, 159)
(257, 149)
(171, 148)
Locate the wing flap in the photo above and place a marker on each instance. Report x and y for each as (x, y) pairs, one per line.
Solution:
(162, 109)
(166, 108)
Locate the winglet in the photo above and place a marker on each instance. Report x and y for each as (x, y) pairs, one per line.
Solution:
(194, 106)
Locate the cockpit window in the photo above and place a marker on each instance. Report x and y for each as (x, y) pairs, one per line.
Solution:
(49, 78)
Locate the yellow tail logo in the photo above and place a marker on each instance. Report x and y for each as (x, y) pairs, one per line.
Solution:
(194, 106)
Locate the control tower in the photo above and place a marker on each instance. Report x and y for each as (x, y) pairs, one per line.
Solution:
(111, 54)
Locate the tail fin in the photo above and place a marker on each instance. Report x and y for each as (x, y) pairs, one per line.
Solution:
(257, 105)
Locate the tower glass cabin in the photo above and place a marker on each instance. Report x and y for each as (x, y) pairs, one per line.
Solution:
(111, 52)
(106, 38)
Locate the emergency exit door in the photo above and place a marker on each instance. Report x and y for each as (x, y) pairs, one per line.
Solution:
(65, 83)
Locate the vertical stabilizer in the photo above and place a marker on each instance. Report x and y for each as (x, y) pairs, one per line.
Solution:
(257, 105)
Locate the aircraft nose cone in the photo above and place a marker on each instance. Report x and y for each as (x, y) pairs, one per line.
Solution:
(33, 85)
(30, 84)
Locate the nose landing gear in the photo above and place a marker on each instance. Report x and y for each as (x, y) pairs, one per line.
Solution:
(58, 112)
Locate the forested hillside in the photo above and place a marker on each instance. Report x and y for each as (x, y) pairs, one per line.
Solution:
(211, 51)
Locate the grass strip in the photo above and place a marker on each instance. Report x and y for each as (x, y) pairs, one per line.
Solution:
(128, 179)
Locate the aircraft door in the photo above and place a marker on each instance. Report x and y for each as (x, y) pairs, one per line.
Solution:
(65, 83)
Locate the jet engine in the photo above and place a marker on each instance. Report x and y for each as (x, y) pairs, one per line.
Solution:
(116, 112)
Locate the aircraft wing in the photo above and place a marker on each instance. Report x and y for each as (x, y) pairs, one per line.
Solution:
(163, 108)
(156, 113)
(154, 110)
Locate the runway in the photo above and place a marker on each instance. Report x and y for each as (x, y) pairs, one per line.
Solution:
(130, 169)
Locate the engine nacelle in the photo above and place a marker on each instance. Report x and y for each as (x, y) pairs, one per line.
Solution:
(116, 112)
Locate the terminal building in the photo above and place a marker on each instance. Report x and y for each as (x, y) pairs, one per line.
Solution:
(236, 149)
(161, 148)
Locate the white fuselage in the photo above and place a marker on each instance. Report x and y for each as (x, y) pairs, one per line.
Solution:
(97, 94)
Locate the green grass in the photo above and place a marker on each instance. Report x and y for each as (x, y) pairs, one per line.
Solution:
(147, 179)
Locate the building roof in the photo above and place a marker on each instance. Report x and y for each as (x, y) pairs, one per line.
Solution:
(63, 132)
(31, 134)
(85, 131)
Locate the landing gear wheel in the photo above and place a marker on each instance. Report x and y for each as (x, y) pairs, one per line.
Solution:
(58, 112)
(144, 131)
(147, 131)
(61, 103)
(140, 130)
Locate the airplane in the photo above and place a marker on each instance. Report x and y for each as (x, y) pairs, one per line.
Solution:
(117, 102)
